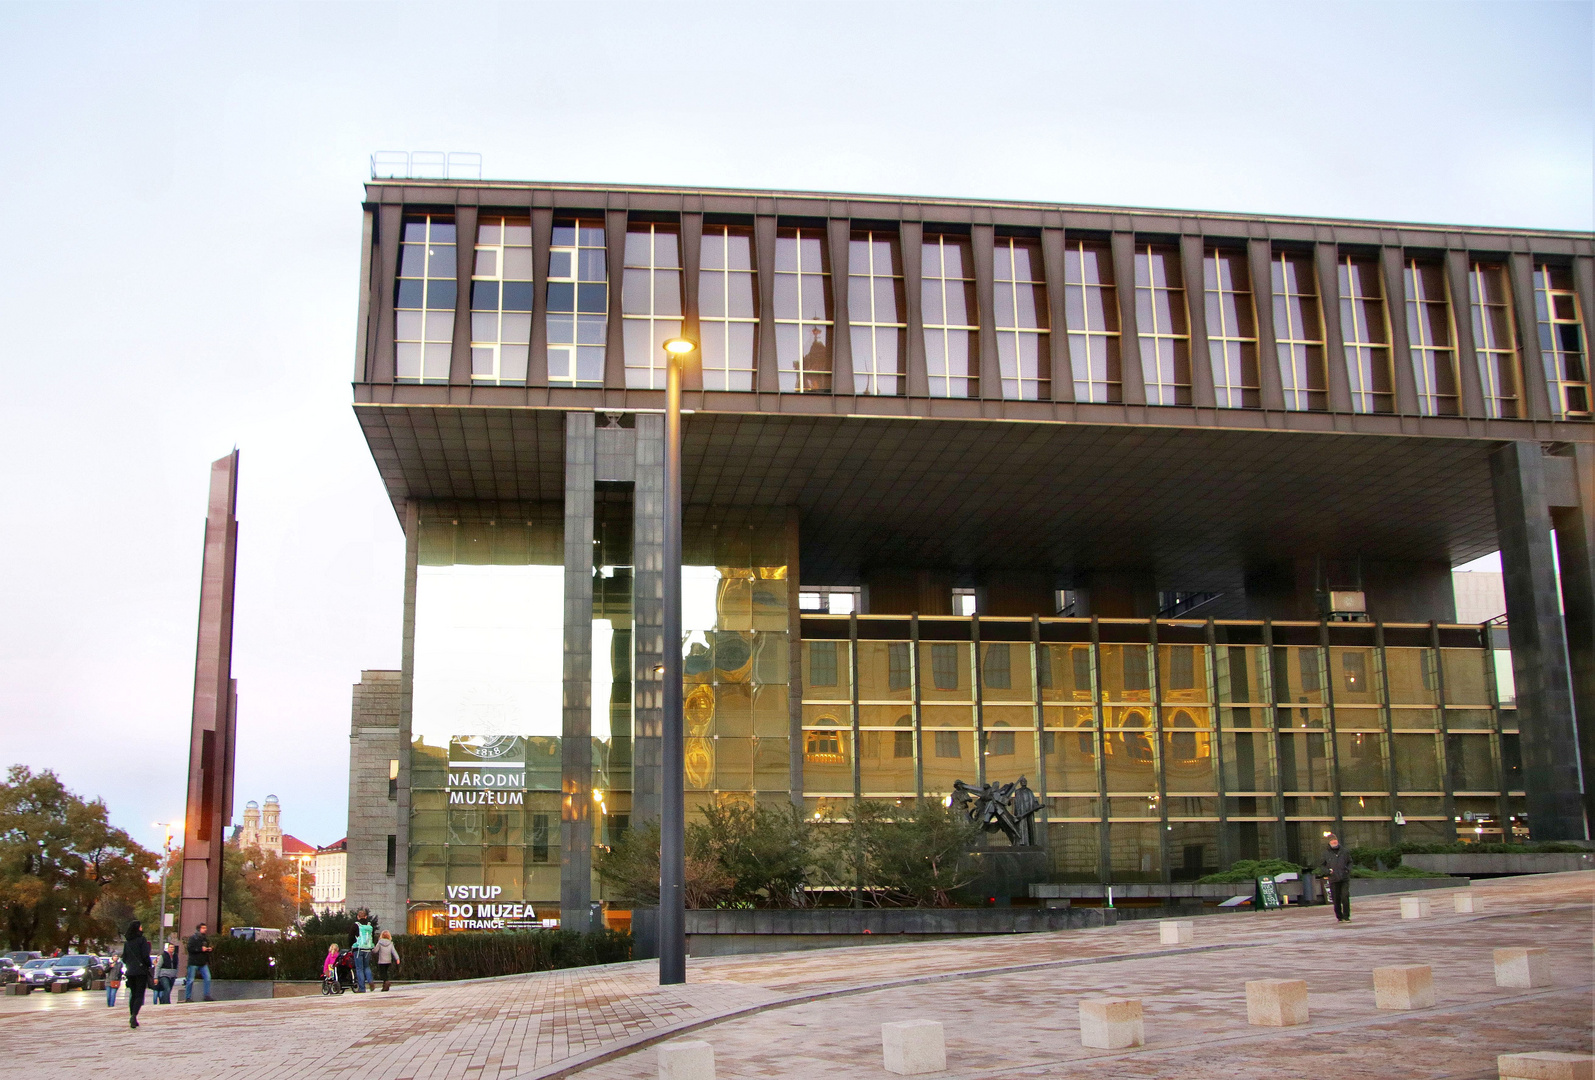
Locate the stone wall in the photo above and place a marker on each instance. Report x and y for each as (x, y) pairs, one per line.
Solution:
(373, 816)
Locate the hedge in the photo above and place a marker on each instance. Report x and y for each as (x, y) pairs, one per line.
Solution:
(429, 957)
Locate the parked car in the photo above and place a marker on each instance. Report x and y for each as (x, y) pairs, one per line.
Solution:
(38, 972)
(8, 970)
(257, 933)
(78, 970)
(22, 956)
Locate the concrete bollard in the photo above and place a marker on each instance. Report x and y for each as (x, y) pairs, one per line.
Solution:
(1414, 907)
(692, 1060)
(1462, 903)
(1175, 931)
(1276, 1002)
(1522, 969)
(1111, 1023)
(1546, 1065)
(912, 1047)
(1403, 986)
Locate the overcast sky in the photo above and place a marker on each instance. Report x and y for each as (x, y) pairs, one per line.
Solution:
(179, 204)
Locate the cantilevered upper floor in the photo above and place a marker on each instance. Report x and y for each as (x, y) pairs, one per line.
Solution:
(558, 296)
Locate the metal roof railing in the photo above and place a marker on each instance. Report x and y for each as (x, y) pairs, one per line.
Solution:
(426, 165)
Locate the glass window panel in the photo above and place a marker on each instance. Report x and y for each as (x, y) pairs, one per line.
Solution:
(949, 316)
(1304, 762)
(1021, 305)
(1298, 674)
(1362, 761)
(1412, 676)
(884, 671)
(1564, 350)
(1070, 754)
(1135, 851)
(1187, 754)
(1074, 848)
(1470, 762)
(1248, 761)
(1241, 672)
(1125, 674)
(1160, 308)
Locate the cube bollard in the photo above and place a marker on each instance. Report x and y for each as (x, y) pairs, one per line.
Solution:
(1175, 931)
(1111, 1023)
(1276, 1002)
(1415, 907)
(692, 1060)
(1462, 903)
(912, 1047)
(1522, 969)
(60, 987)
(1403, 986)
(1546, 1065)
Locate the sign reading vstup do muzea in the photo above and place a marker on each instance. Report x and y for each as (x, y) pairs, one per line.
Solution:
(487, 770)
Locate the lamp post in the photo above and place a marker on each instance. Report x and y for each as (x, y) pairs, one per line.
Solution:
(166, 862)
(672, 799)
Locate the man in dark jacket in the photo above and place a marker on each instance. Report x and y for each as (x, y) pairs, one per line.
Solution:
(1336, 868)
(198, 962)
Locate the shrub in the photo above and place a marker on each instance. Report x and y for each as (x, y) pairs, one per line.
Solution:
(1250, 870)
(429, 957)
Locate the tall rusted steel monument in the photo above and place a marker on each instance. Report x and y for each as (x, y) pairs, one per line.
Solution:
(215, 719)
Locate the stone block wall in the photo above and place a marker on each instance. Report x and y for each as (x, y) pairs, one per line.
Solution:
(374, 744)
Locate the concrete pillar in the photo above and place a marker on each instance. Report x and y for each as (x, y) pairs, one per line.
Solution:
(1573, 515)
(1018, 593)
(1119, 594)
(576, 744)
(1539, 644)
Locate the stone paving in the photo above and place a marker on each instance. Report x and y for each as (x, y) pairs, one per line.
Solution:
(1010, 1006)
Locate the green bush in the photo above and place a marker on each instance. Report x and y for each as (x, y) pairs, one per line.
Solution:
(429, 957)
(1389, 858)
(1250, 870)
(1398, 872)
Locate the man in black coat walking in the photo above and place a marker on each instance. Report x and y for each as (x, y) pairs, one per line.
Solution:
(1336, 868)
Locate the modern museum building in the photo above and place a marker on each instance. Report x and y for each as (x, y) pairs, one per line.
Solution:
(1156, 509)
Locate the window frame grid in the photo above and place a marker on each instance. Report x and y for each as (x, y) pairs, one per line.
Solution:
(650, 373)
(1292, 337)
(1228, 393)
(798, 378)
(731, 374)
(572, 350)
(433, 350)
(1553, 356)
(1426, 355)
(1010, 368)
(1499, 365)
(493, 345)
(1364, 356)
(1150, 332)
(943, 329)
(868, 373)
(1107, 390)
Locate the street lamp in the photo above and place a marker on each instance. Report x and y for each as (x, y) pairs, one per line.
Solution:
(166, 861)
(672, 799)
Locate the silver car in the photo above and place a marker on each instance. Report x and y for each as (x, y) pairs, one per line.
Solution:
(78, 970)
(37, 972)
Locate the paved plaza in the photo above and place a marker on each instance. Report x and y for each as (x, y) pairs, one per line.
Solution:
(1009, 1006)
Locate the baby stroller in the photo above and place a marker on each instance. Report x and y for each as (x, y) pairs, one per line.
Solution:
(342, 976)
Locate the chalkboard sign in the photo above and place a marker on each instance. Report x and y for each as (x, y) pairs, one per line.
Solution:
(1267, 893)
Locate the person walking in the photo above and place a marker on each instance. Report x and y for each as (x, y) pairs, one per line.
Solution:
(363, 944)
(387, 958)
(113, 979)
(1336, 868)
(199, 952)
(136, 965)
(166, 974)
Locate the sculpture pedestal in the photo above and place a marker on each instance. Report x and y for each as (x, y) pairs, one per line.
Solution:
(1007, 872)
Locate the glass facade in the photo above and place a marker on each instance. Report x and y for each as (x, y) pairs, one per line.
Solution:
(1161, 322)
(1365, 328)
(423, 326)
(650, 300)
(1091, 310)
(1299, 332)
(578, 303)
(803, 310)
(951, 316)
(501, 300)
(1167, 750)
(1022, 321)
(1430, 337)
(1231, 328)
(877, 312)
(1562, 344)
(1494, 338)
(728, 307)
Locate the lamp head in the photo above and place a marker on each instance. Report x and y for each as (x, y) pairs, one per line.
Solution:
(679, 347)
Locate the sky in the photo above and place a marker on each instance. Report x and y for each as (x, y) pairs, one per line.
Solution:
(180, 197)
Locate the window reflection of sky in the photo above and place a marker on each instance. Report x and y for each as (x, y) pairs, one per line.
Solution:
(488, 651)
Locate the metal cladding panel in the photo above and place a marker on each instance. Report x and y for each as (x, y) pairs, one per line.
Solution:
(210, 755)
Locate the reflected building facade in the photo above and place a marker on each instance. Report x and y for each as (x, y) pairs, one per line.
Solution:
(1157, 510)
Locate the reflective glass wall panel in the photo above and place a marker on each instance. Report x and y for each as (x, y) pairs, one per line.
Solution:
(728, 307)
(877, 312)
(1562, 345)
(423, 329)
(1494, 338)
(803, 310)
(1162, 323)
(1365, 329)
(1091, 310)
(578, 302)
(1023, 349)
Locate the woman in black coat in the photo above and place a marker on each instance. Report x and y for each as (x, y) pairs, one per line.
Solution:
(136, 965)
